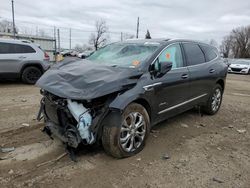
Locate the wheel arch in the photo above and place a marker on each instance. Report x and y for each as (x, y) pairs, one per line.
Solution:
(31, 65)
(221, 83)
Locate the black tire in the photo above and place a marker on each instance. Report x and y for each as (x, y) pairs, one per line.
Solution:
(209, 108)
(31, 74)
(111, 137)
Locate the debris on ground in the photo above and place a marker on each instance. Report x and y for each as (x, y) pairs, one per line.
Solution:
(202, 125)
(154, 131)
(3, 158)
(24, 100)
(6, 150)
(11, 171)
(241, 131)
(184, 125)
(165, 156)
(25, 124)
(217, 180)
(138, 159)
(230, 126)
(52, 161)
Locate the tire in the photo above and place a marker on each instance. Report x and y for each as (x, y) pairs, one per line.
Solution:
(214, 101)
(113, 138)
(31, 74)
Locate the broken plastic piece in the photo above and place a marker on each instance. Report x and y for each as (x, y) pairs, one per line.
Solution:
(6, 150)
(84, 119)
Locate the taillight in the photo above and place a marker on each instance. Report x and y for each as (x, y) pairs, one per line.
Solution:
(46, 56)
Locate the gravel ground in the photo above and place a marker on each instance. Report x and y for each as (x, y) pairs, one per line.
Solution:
(201, 151)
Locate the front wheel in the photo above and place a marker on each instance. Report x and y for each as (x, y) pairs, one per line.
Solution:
(214, 101)
(31, 74)
(127, 138)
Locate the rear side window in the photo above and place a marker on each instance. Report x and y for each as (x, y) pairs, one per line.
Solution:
(209, 52)
(8, 48)
(194, 54)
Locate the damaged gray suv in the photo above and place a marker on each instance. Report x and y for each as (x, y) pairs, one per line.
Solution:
(116, 95)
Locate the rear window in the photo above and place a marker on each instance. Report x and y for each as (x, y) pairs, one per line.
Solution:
(8, 48)
(194, 54)
(209, 52)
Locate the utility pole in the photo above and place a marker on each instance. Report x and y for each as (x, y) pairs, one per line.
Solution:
(13, 19)
(55, 51)
(70, 39)
(58, 37)
(137, 30)
(121, 36)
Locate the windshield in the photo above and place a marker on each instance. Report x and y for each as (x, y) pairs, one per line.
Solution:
(124, 54)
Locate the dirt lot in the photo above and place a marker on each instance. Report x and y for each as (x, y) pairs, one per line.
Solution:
(204, 151)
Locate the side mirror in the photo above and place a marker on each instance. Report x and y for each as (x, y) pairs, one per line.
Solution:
(165, 67)
(161, 68)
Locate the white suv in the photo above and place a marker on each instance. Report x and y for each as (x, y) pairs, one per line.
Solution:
(22, 59)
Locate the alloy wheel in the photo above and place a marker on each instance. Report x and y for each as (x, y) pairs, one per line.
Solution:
(216, 100)
(132, 132)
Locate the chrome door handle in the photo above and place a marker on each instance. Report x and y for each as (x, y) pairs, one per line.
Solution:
(184, 76)
(211, 71)
(151, 86)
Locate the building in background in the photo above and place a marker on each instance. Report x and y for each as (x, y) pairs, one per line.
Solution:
(46, 43)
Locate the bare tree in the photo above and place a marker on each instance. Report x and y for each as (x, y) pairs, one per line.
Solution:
(147, 36)
(237, 43)
(241, 39)
(226, 46)
(6, 27)
(100, 37)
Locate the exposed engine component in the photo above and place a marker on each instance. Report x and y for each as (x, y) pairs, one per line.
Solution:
(84, 119)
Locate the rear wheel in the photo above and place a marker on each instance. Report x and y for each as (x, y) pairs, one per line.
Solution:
(31, 74)
(214, 101)
(129, 137)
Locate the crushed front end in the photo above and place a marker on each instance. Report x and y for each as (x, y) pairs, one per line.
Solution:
(72, 121)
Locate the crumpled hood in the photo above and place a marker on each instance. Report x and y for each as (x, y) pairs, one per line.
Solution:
(83, 80)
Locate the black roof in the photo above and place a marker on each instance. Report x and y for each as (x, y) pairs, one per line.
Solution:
(162, 41)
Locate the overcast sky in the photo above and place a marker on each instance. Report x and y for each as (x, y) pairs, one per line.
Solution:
(196, 19)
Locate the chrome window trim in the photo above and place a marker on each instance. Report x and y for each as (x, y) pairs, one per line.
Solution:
(180, 104)
(182, 56)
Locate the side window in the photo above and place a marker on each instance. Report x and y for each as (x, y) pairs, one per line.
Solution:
(172, 54)
(209, 52)
(5, 48)
(194, 54)
(8, 48)
(19, 48)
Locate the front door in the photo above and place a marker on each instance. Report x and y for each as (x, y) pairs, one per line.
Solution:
(172, 90)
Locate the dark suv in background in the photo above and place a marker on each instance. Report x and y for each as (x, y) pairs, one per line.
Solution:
(22, 59)
(123, 89)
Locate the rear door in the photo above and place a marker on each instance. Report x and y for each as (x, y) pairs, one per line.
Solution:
(202, 69)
